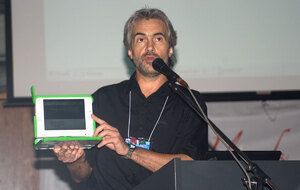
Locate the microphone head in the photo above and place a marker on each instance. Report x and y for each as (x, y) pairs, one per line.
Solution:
(158, 64)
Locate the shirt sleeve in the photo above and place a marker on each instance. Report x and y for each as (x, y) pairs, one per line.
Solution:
(195, 132)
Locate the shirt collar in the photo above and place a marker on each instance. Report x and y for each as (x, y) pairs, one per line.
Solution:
(133, 86)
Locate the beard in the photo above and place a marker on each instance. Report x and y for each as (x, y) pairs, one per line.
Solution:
(145, 68)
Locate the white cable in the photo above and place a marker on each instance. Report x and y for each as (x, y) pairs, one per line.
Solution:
(129, 111)
(224, 143)
(129, 117)
(162, 110)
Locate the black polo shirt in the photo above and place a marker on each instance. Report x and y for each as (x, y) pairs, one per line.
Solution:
(179, 130)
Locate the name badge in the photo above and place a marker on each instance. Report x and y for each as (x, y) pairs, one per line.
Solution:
(139, 142)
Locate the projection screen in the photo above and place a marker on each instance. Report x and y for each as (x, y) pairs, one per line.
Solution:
(233, 46)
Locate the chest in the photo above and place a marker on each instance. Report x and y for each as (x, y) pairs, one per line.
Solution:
(160, 120)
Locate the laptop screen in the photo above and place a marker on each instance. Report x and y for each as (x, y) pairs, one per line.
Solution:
(64, 114)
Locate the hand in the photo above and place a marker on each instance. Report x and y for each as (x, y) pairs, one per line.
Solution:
(68, 153)
(111, 137)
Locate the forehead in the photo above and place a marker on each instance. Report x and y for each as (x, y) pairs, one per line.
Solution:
(149, 26)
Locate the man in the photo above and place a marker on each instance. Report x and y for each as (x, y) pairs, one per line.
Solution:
(142, 108)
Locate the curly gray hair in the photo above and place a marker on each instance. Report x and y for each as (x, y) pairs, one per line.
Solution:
(148, 13)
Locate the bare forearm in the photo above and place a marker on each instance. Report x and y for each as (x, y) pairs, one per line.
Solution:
(112, 139)
(153, 161)
(80, 170)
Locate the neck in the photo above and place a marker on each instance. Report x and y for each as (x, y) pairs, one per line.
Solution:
(149, 85)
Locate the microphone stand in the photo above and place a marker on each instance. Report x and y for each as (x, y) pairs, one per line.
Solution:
(259, 179)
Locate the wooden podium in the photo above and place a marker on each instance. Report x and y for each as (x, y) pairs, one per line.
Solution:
(218, 175)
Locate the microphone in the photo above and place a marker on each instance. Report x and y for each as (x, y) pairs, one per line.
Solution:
(159, 65)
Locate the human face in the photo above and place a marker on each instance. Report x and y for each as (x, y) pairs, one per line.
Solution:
(149, 42)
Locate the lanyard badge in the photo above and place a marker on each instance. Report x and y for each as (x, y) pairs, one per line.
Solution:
(139, 142)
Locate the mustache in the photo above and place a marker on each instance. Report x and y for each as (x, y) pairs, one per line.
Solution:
(150, 53)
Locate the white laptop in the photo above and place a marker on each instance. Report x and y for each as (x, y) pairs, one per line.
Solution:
(63, 119)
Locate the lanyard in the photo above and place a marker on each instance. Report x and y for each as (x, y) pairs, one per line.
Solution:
(129, 116)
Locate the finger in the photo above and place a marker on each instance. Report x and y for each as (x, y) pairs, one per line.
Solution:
(98, 120)
(103, 127)
(61, 155)
(104, 142)
(74, 152)
(64, 147)
(68, 153)
(72, 146)
(68, 156)
(97, 131)
(77, 147)
(56, 149)
(114, 143)
(102, 122)
(108, 133)
(79, 153)
(109, 140)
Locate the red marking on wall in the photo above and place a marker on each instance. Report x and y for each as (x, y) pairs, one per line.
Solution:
(281, 135)
(237, 137)
(216, 144)
(235, 140)
(283, 156)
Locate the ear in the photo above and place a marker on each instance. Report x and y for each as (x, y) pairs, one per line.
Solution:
(170, 52)
(129, 52)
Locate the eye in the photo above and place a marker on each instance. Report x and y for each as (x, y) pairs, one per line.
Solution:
(140, 40)
(159, 39)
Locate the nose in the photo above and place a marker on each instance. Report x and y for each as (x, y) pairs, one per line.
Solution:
(150, 45)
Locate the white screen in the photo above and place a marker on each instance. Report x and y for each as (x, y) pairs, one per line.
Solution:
(75, 46)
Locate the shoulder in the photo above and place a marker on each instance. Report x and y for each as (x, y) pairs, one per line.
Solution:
(196, 93)
(108, 98)
(200, 98)
(111, 89)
